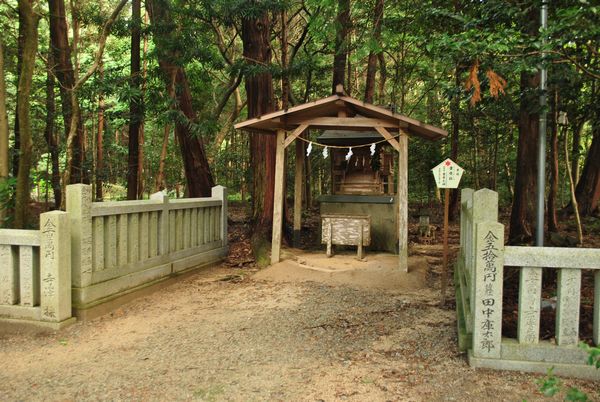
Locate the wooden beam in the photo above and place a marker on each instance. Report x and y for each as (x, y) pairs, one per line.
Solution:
(345, 123)
(298, 131)
(386, 134)
(278, 197)
(403, 201)
(279, 113)
(298, 180)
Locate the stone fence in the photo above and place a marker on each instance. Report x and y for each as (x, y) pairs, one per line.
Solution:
(35, 272)
(96, 252)
(479, 275)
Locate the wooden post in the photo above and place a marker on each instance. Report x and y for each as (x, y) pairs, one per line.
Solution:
(445, 270)
(278, 197)
(360, 242)
(330, 240)
(298, 180)
(403, 201)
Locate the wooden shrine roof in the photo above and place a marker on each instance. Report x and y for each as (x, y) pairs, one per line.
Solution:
(340, 112)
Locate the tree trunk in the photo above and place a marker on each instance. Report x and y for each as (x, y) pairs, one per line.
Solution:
(588, 187)
(49, 131)
(59, 39)
(17, 144)
(4, 157)
(197, 170)
(552, 218)
(100, 140)
(575, 152)
(259, 92)
(285, 79)
(30, 42)
(160, 177)
(454, 140)
(341, 43)
(135, 103)
(523, 209)
(374, 55)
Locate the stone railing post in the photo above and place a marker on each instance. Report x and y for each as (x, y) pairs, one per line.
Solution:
(55, 266)
(485, 209)
(163, 223)
(489, 274)
(220, 192)
(79, 208)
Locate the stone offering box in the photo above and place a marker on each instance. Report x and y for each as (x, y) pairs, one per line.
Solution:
(346, 230)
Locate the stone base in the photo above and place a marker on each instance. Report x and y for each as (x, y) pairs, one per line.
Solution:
(179, 269)
(14, 324)
(560, 369)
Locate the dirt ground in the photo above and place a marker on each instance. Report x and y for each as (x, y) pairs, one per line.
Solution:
(234, 332)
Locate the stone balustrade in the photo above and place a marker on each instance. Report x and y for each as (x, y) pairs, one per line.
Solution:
(126, 245)
(479, 296)
(97, 252)
(35, 273)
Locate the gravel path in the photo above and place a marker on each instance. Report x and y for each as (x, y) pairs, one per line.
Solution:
(206, 338)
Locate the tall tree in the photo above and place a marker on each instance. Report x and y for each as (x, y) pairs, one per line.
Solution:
(197, 170)
(135, 104)
(59, 40)
(588, 187)
(342, 30)
(522, 216)
(4, 157)
(374, 53)
(49, 130)
(259, 91)
(30, 42)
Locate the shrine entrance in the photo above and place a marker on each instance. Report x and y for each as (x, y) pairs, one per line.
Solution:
(342, 112)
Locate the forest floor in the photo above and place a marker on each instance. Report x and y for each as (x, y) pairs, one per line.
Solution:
(230, 333)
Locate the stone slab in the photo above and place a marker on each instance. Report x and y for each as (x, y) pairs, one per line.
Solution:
(560, 369)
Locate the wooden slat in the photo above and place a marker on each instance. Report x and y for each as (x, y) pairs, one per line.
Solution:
(98, 243)
(172, 231)
(194, 227)
(345, 123)
(187, 233)
(567, 306)
(122, 239)
(133, 240)
(153, 233)
(202, 230)
(144, 235)
(110, 242)
(179, 230)
(29, 276)
(552, 257)
(278, 197)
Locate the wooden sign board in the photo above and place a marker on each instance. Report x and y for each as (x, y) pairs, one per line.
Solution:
(447, 174)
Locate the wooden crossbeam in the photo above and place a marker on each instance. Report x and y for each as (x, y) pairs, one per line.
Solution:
(386, 134)
(297, 132)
